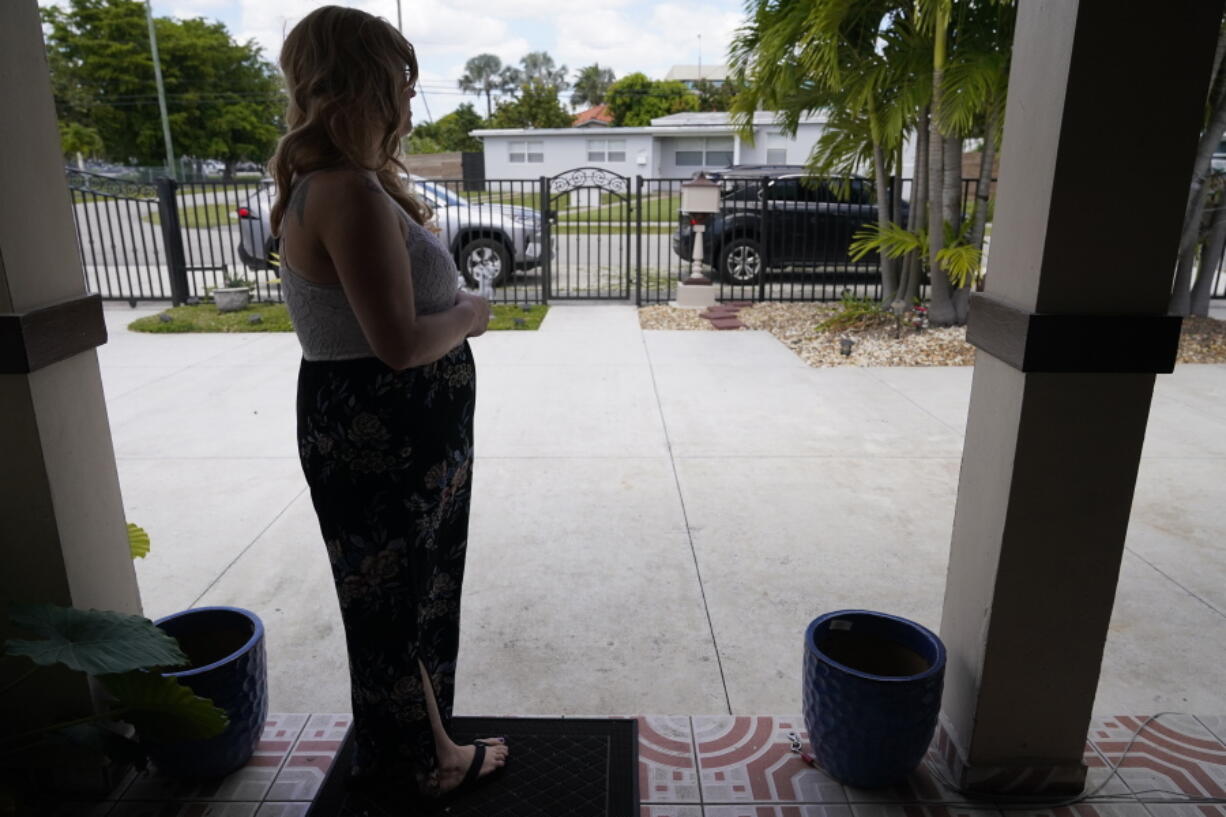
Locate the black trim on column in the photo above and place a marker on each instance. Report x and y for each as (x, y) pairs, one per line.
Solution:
(32, 340)
(1030, 342)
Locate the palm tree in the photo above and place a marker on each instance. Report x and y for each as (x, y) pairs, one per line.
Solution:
(801, 56)
(590, 86)
(972, 44)
(481, 76)
(539, 66)
(510, 80)
(884, 70)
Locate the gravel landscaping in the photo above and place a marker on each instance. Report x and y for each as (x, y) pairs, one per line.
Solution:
(1203, 341)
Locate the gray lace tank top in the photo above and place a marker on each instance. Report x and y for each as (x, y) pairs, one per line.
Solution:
(324, 322)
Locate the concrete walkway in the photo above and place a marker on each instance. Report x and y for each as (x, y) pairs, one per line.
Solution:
(657, 515)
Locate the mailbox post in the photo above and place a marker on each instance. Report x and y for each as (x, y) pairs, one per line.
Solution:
(699, 200)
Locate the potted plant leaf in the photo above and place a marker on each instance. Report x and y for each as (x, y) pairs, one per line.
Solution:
(124, 654)
(192, 686)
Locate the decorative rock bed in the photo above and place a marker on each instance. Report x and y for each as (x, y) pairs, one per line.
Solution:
(1203, 341)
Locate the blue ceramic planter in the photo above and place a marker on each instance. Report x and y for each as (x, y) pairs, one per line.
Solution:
(872, 695)
(228, 665)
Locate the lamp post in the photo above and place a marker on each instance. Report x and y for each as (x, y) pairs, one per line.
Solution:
(699, 199)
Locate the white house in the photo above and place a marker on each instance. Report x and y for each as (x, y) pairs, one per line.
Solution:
(691, 75)
(671, 147)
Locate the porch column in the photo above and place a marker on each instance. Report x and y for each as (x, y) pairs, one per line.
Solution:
(1105, 105)
(62, 529)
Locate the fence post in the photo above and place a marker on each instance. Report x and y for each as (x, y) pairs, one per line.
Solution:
(764, 199)
(547, 237)
(638, 241)
(172, 238)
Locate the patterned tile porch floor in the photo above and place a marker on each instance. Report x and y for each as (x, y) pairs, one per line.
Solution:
(730, 766)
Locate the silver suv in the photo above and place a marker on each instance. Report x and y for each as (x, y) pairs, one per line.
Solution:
(487, 240)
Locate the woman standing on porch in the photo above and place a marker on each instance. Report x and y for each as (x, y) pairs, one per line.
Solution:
(386, 391)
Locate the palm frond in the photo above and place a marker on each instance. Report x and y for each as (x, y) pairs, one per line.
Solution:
(892, 241)
(960, 263)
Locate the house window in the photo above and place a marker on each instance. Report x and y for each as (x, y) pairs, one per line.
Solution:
(719, 152)
(689, 152)
(714, 152)
(606, 150)
(776, 149)
(529, 151)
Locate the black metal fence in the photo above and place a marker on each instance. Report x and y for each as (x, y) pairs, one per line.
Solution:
(586, 234)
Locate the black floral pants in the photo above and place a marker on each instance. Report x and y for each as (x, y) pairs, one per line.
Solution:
(388, 457)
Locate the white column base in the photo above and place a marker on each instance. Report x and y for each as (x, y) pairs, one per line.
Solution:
(694, 296)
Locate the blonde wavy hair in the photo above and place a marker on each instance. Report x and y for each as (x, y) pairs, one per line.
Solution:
(345, 74)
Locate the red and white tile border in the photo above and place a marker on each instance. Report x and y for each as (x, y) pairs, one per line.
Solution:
(731, 766)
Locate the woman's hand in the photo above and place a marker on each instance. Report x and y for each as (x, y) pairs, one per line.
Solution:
(481, 312)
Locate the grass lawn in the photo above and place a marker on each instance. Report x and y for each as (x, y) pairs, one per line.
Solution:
(656, 208)
(527, 197)
(199, 216)
(608, 229)
(275, 318)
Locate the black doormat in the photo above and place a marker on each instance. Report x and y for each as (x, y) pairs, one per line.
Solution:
(559, 767)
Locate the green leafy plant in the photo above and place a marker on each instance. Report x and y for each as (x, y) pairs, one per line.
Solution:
(126, 654)
(855, 313)
(238, 282)
(959, 259)
(138, 541)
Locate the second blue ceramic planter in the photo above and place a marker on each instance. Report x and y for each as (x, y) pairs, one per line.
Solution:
(872, 694)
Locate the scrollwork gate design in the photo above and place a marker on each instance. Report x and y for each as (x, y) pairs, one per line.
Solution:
(588, 211)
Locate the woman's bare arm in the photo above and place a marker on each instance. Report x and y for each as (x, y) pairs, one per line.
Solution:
(360, 231)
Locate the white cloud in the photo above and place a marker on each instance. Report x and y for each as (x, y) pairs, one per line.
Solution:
(667, 35)
(440, 31)
(626, 35)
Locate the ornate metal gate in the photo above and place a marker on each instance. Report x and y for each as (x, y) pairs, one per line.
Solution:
(121, 237)
(588, 211)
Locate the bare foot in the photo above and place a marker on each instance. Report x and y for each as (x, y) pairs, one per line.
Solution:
(453, 765)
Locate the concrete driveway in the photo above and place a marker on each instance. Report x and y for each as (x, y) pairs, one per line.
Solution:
(657, 515)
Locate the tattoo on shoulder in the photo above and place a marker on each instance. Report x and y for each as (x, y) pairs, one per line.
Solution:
(297, 200)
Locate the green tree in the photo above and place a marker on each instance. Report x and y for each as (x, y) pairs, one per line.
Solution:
(223, 99)
(715, 96)
(482, 75)
(591, 85)
(78, 140)
(449, 133)
(536, 107)
(635, 100)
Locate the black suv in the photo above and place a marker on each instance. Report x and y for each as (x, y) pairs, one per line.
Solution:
(779, 218)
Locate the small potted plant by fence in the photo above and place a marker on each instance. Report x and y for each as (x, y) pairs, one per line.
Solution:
(234, 296)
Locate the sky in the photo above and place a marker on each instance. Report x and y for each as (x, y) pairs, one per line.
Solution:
(625, 35)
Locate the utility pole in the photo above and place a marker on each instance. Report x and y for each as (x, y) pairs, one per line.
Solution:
(420, 89)
(157, 74)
